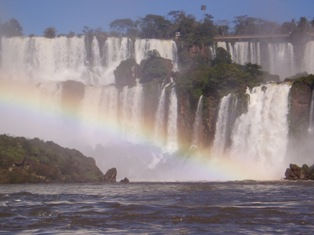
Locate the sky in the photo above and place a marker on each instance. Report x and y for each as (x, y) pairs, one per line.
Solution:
(73, 15)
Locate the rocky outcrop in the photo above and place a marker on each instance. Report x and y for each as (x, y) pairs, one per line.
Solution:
(210, 116)
(111, 176)
(186, 115)
(294, 172)
(126, 73)
(125, 181)
(35, 161)
(154, 67)
(300, 102)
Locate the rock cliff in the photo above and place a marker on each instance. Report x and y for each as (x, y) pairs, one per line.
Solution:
(35, 161)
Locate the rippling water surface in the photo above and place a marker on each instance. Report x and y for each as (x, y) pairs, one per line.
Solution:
(164, 208)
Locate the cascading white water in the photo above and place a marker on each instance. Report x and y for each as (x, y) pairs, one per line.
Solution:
(278, 58)
(243, 52)
(172, 129)
(62, 58)
(308, 58)
(261, 134)
(281, 59)
(197, 125)
(222, 126)
(109, 101)
(166, 48)
(160, 116)
(37, 58)
(131, 111)
(92, 62)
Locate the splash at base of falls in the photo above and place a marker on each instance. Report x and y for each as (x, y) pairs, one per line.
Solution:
(70, 124)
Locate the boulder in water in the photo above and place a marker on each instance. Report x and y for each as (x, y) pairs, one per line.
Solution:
(125, 181)
(111, 176)
(294, 172)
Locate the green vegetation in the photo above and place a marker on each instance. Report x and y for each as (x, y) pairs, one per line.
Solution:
(303, 79)
(33, 161)
(184, 27)
(220, 77)
(50, 32)
(154, 67)
(191, 31)
(11, 28)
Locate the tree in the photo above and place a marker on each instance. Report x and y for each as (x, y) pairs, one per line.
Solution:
(71, 34)
(250, 25)
(185, 24)
(288, 27)
(50, 32)
(155, 26)
(303, 25)
(124, 27)
(11, 28)
(222, 57)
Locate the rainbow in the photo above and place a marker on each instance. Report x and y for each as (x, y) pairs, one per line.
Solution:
(36, 99)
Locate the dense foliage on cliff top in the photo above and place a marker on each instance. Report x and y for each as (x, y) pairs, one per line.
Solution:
(192, 31)
(31, 161)
(220, 76)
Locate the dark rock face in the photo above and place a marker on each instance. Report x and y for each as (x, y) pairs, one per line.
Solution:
(125, 181)
(294, 172)
(210, 117)
(186, 115)
(111, 176)
(300, 102)
(126, 73)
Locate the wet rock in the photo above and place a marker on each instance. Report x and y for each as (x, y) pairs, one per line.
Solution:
(300, 102)
(111, 176)
(290, 175)
(294, 172)
(125, 181)
(304, 172)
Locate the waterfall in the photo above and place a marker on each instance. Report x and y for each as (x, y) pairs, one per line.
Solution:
(109, 102)
(243, 52)
(225, 119)
(197, 125)
(278, 58)
(172, 129)
(114, 51)
(37, 58)
(131, 111)
(160, 116)
(62, 58)
(281, 60)
(308, 58)
(92, 62)
(261, 134)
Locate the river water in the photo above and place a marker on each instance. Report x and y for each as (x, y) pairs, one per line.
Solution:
(244, 207)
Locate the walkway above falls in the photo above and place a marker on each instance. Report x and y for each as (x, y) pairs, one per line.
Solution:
(256, 37)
